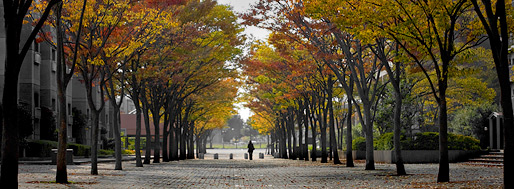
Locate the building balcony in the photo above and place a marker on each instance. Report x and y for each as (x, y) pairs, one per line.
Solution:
(37, 113)
(37, 58)
(70, 119)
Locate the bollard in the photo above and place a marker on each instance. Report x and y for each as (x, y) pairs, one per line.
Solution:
(261, 155)
(246, 155)
(201, 156)
(216, 156)
(231, 156)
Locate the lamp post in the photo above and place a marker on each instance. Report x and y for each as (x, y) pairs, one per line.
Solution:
(222, 138)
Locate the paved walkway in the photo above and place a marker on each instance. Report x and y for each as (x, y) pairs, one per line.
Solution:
(259, 173)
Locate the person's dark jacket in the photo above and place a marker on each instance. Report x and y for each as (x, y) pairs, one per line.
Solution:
(250, 147)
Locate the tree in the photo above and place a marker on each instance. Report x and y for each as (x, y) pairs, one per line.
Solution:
(434, 39)
(63, 78)
(101, 20)
(14, 18)
(497, 22)
(145, 23)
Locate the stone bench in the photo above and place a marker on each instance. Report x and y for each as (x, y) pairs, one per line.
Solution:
(69, 156)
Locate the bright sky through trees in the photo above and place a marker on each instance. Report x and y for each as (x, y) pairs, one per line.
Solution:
(241, 6)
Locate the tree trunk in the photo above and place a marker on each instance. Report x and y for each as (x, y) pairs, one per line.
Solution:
(10, 139)
(139, 163)
(400, 168)
(199, 143)
(173, 144)
(313, 129)
(148, 147)
(306, 124)
(349, 157)
(61, 175)
(368, 134)
(95, 112)
(183, 134)
(94, 141)
(9, 172)
(191, 147)
(283, 139)
(117, 137)
(134, 93)
(165, 134)
(444, 167)
(499, 41)
(157, 135)
(323, 130)
(333, 146)
(175, 154)
(299, 118)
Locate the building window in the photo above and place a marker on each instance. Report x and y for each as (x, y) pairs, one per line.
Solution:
(53, 104)
(36, 100)
(69, 109)
(54, 55)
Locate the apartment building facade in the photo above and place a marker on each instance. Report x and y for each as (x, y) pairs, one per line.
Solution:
(37, 89)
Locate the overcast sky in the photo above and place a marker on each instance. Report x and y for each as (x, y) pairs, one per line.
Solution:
(241, 6)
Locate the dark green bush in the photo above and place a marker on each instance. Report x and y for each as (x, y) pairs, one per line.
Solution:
(461, 142)
(359, 143)
(427, 141)
(40, 148)
(43, 148)
(79, 149)
(386, 142)
(103, 152)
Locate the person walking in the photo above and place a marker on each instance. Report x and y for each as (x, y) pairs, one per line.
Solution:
(250, 149)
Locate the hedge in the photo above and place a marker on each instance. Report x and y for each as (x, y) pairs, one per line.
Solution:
(103, 152)
(80, 149)
(421, 141)
(43, 148)
(40, 148)
(359, 143)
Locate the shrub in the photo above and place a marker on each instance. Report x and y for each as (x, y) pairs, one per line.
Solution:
(40, 148)
(43, 148)
(79, 149)
(427, 141)
(128, 152)
(386, 142)
(461, 142)
(359, 143)
(103, 152)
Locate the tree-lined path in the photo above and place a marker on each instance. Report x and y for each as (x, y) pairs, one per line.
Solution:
(329, 78)
(260, 173)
